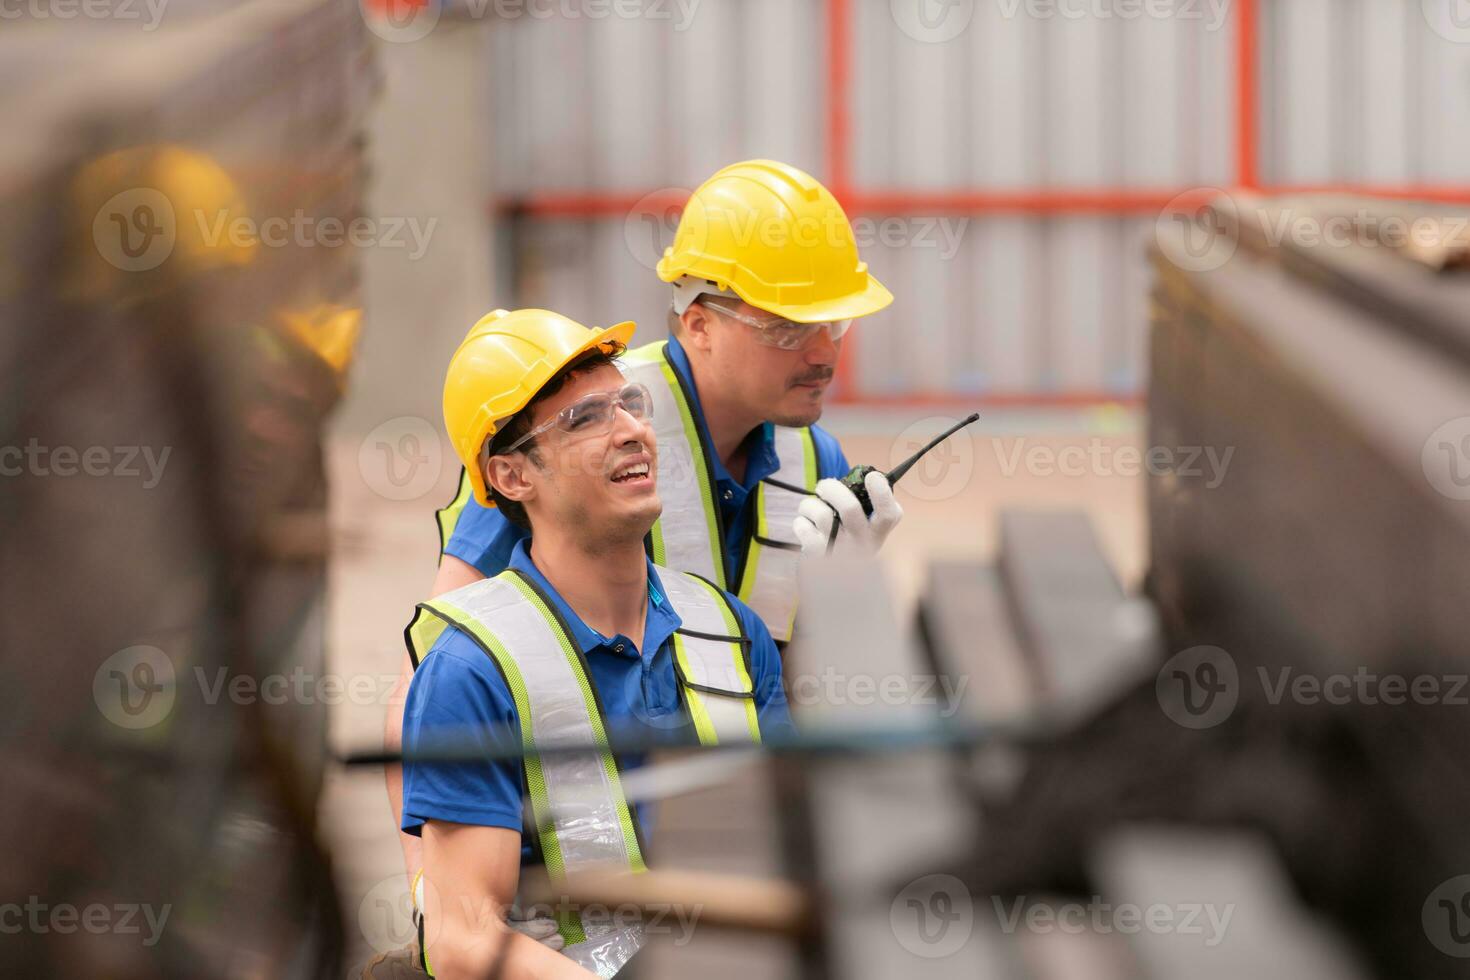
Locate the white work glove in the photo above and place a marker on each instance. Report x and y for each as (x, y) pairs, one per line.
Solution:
(541, 928)
(859, 533)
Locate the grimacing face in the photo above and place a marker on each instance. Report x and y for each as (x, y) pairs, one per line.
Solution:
(600, 487)
(783, 386)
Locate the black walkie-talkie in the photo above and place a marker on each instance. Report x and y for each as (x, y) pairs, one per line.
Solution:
(854, 479)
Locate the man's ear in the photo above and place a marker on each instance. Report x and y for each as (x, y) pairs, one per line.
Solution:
(507, 474)
(696, 322)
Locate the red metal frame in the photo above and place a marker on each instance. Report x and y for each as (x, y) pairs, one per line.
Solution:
(1105, 200)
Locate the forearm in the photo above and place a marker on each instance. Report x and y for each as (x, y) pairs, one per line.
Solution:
(470, 878)
(465, 952)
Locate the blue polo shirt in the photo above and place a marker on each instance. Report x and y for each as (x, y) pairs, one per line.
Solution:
(458, 690)
(483, 537)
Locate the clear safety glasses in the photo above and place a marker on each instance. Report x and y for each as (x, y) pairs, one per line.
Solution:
(775, 331)
(593, 414)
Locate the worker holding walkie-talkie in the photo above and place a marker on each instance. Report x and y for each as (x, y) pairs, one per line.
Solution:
(766, 280)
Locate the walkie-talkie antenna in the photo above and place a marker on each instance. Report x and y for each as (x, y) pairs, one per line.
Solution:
(896, 474)
(855, 477)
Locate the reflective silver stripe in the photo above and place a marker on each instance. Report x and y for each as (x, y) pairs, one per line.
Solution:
(583, 802)
(774, 594)
(687, 539)
(711, 654)
(685, 533)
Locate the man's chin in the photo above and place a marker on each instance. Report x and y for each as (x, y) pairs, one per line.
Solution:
(799, 417)
(640, 516)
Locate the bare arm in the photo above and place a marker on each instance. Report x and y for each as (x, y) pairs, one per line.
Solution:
(452, 574)
(470, 877)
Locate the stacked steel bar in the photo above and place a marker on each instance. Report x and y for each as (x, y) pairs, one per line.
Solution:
(1332, 370)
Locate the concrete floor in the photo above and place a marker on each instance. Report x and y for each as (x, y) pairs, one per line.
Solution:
(384, 557)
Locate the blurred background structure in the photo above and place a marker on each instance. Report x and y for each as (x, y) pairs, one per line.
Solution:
(242, 240)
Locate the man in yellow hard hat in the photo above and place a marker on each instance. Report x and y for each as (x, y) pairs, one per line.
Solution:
(579, 637)
(766, 279)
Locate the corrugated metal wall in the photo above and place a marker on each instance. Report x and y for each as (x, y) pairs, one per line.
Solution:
(1004, 304)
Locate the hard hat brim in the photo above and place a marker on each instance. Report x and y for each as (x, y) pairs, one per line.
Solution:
(872, 299)
(608, 339)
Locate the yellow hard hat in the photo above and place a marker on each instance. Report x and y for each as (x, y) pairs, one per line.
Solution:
(144, 205)
(328, 330)
(501, 364)
(779, 240)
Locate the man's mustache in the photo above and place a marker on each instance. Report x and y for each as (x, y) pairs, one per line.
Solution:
(814, 375)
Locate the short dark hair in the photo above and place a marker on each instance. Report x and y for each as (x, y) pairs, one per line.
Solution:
(520, 423)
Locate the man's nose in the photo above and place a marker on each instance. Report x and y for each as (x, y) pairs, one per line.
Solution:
(628, 428)
(822, 349)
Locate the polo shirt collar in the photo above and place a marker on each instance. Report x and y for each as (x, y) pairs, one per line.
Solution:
(660, 624)
(761, 458)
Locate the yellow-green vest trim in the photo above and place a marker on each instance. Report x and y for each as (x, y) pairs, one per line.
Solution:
(691, 534)
(581, 819)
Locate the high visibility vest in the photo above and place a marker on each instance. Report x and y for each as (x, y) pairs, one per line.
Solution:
(581, 819)
(690, 536)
